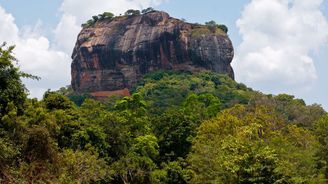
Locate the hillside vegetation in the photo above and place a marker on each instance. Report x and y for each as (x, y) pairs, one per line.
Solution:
(174, 128)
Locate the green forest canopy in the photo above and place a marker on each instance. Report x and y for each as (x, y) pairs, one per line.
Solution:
(174, 128)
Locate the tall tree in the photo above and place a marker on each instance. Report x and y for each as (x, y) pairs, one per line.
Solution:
(12, 90)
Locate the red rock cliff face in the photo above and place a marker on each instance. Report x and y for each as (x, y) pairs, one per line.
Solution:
(115, 54)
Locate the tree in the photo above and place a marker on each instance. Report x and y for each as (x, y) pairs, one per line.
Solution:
(106, 15)
(8, 154)
(39, 145)
(147, 10)
(244, 145)
(81, 167)
(53, 100)
(223, 27)
(95, 18)
(136, 166)
(11, 87)
(211, 25)
(132, 12)
(174, 130)
(293, 110)
(321, 131)
(146, 146)
(202, 106)
(135, 104)
(133, 168)
(175, 172)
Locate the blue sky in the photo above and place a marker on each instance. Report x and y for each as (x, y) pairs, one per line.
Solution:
(280, 45)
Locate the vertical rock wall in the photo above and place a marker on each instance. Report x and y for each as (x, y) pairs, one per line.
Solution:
(115, 54)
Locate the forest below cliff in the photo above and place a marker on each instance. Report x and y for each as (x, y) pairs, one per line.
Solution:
(174, 128)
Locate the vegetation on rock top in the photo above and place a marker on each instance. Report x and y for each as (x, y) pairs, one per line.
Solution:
(209, 27)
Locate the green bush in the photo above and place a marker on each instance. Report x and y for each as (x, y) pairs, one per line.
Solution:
(223, 27)
(132, 12)
(106, 15)
(96, 18)
(53, 100)
(213, 26)
(147, 10)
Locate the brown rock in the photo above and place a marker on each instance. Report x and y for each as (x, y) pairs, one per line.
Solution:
(102, 95)
(115, 54)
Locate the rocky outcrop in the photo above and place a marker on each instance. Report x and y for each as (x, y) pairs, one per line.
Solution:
(115, 54)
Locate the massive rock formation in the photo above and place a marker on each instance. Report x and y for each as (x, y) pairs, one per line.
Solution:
(114, 54)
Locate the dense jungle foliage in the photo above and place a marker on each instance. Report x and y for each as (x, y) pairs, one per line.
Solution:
(174, 128)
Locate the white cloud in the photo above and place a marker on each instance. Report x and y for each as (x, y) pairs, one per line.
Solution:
(35, 56)
(66, 33)
(39, 59)
(278, 38)
(9, 32)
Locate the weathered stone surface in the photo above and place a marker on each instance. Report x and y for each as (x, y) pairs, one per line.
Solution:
(115, 54)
